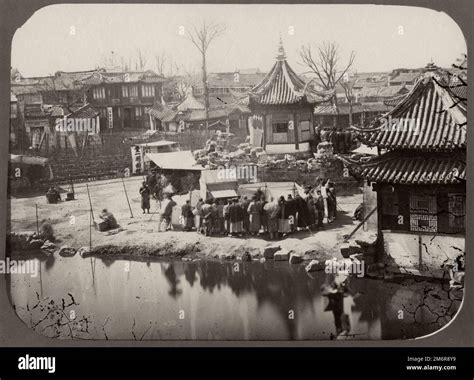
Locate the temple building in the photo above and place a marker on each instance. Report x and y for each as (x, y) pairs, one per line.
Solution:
(418, 179)
(282, 110)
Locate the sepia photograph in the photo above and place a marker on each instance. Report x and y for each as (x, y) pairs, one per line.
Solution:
(237, 172)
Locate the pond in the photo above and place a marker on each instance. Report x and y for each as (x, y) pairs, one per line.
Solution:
(77, 298)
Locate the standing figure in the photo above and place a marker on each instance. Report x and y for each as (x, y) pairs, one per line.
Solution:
(291, 210)
(319, 209)
(220, 217)
(197, 213)
(254, 213)
(225, 212)
(166, 212)
(245, 214)
(145, 193)
(271, 210)
(284, 226)
(235, 218)
(206, 218)
(188, 216)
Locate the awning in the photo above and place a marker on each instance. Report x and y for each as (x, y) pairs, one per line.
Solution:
(218, 194)
(28, 160)
(181, 160)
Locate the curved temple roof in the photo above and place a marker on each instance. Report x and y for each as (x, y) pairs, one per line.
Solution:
(430, 118)
(283, 86)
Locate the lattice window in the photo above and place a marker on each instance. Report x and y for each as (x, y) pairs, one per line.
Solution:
(423, 213)
(457, 211)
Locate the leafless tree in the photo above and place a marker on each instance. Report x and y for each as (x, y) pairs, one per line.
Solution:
(160, 60)
(141, 61)
(202, 36)
(348, 87)
(324, 64)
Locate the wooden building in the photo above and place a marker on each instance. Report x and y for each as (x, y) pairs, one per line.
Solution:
(282, 110)
(420, 180)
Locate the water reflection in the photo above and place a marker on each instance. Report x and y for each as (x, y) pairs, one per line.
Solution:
(235, 300)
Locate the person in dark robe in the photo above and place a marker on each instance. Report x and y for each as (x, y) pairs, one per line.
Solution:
(284, 226)
(108, 218)
(220, 217)
(225, 211)
(246, 217)
(310, 206)
(302, 212)
(319, 209)
(52, 195)
(165, 213)
(145, 194)
(291, 209)
(235, 218)
(188, 216)
(263, 213)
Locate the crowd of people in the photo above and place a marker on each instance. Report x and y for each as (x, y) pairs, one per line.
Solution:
(256, 216)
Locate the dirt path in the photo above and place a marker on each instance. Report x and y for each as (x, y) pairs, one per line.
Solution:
(140, 236)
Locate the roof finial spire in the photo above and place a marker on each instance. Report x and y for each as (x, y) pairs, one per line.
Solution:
(281, 56)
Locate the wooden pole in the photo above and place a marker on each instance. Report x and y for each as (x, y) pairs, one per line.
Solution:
(90, 202)
(37, 222)
(126, 196)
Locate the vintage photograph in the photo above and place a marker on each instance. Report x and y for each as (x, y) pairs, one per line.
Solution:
(237, 172)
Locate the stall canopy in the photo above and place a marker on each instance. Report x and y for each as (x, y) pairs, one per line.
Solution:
(28, 160)
(181, 160)
(221, 190)
(271, 189)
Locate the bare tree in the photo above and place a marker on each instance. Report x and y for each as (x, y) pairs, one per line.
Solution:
(160, 60)
(348, 87)
(202, 36)
(324, 64)
(141, 61)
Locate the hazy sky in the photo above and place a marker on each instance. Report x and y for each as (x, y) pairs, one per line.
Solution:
(78, 37)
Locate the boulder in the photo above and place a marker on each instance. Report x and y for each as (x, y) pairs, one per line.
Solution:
(83, 251)
(348, 249)
(282, 255)
(269, 252)
(315, 265)
(35, 244)
(295, 258)
(48, 246)
(66, 251)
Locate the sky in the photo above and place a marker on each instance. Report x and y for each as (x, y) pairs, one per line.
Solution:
(75, 37)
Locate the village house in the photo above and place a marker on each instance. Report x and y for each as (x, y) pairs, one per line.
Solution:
(122, 97)
(282, 110)
(418, 183)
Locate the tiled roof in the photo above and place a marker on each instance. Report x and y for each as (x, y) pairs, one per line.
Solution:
(101, 76)
(161, 112)
(428, 118)
(283, 86)
(423, 169)
(84, 112)
(343, 109)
